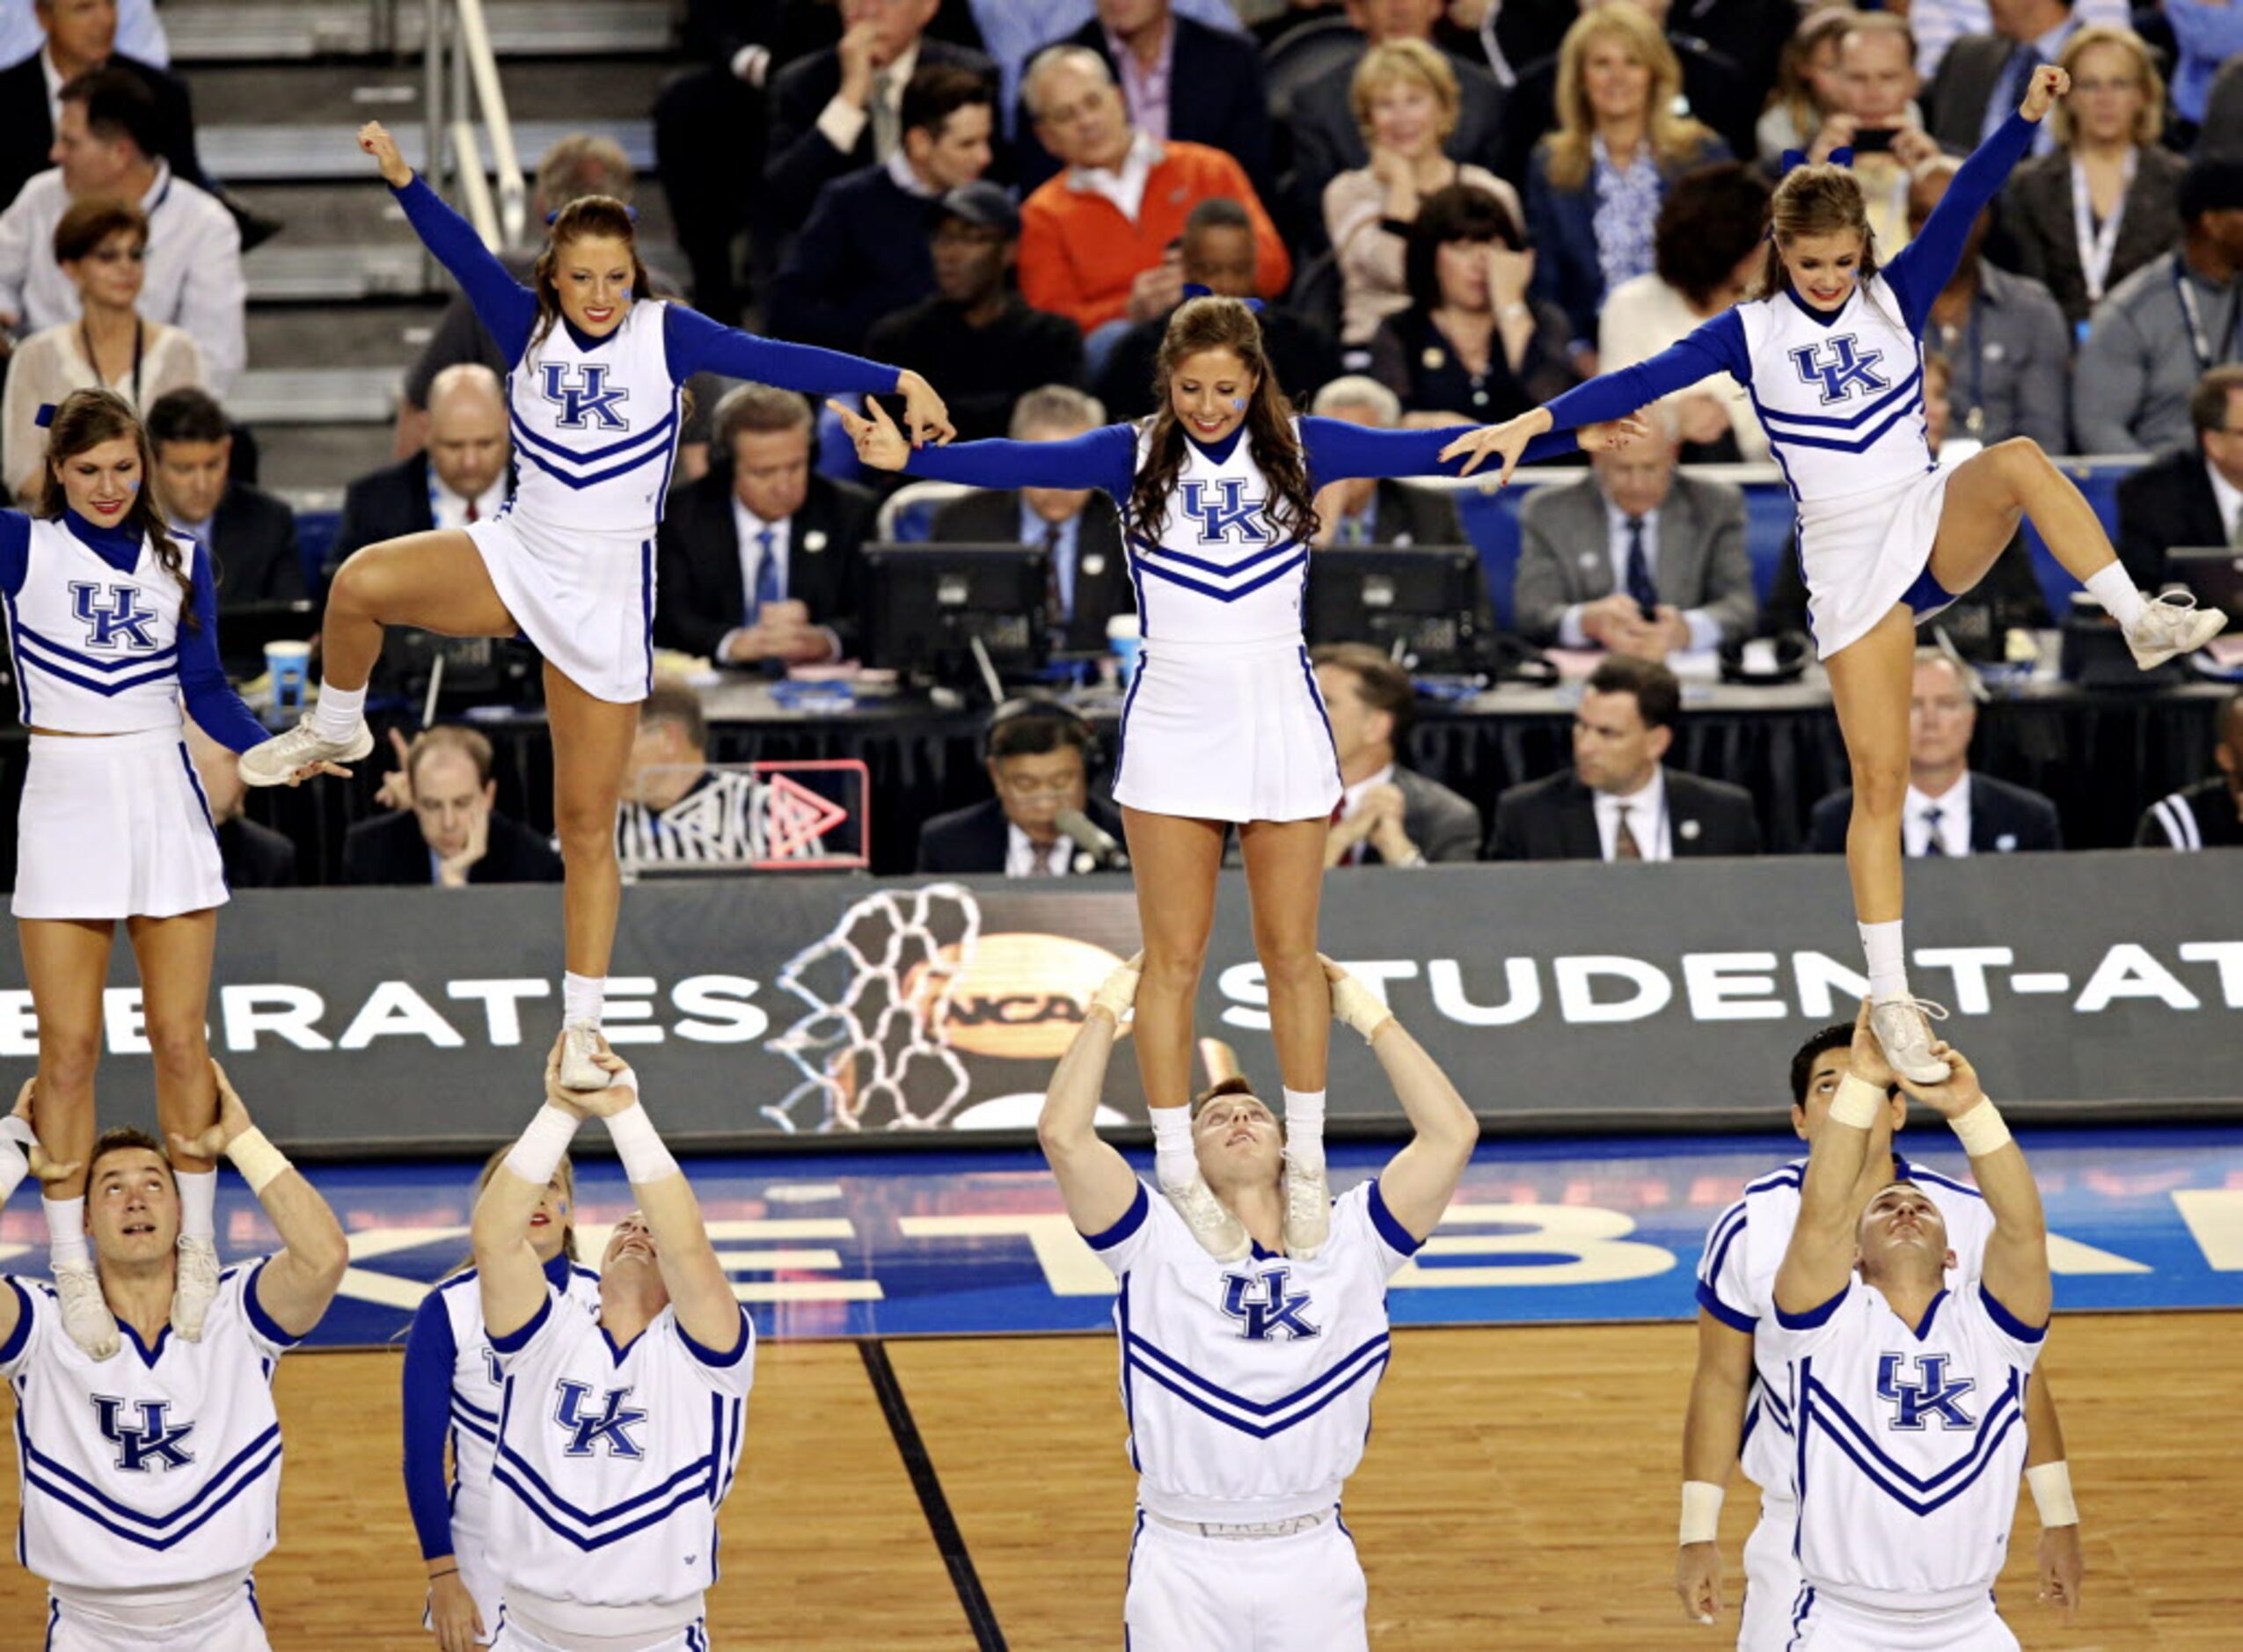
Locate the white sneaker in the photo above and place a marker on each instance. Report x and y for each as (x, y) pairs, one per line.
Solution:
(85, 1311)
(1210, 1220)
(2172, 625)
(270, 762)
(579, 1070)
(1903, 1030)
(1308, 1211)
(194, 1285)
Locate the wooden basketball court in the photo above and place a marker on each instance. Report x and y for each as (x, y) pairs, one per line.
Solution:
(1519, 1491)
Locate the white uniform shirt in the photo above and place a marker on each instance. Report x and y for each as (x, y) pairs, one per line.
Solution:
(151, 1468)
(594, 431)
(1248, 1384)
(1842, 397)
(1222, 570)
(97, 651)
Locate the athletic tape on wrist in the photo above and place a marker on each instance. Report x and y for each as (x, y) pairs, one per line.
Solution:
(15, 1165)
(1856, 1103)
(19, 1131)
(2051, 1485)
(1701, 1511)
(257, 1159)
(1981, 1129)
(644, 1157)
(537, 1154)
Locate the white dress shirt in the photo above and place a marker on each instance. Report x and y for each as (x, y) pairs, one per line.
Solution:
(1021, 854)
(746, 525)
(1955, 819)
(1704, 630)
(1647, 816)
(2229, 498)
(449, 509)
(1123, 186)
(1351, 804)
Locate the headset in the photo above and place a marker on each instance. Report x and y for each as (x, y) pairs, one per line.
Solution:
(1022, 707)
(1788, 655)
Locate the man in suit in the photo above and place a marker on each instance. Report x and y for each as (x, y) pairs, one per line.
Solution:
(1374, 511)
(1983, 77)
(250, 535)
(252, 857)
(460, 477)
(2192, 496)
(1949, 810)
(1388, 815)
(761, 560)
(82, 35)
(1619, 801)
(1635, 557)
(452, 835)
(1180, 79)
(1088, 582)
(1038, 758)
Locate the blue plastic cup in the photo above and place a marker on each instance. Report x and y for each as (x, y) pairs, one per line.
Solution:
(289, 663)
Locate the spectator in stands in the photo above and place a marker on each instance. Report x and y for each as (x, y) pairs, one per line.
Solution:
(252, 857)
(1039, 765)
(461, 476)
(1950, 809)
(249, 534)
(1475, 345)
(1619, 801)
(82, 35)
(1983, 76)
(1328, 138)
(2158, 331)
(2107, 135)
(1806, 91)
(676, 810)
(1387, 816)
(101, 244)
(1877, 119)
(1088, 579)
(138, 34)
(2193, 495)
(1635, 557)
(1594, 184)
(2002, 334)
(104, 145)
(1180, 79)
(1013, 33)
(761, 559)
(864, 251)
(1218, 251)
(452, 835)
(974, 335)
(1405, 101)
(1706, 251)
(1094, 240)
(2206, 37)
(2210, 813)
(1939, 24)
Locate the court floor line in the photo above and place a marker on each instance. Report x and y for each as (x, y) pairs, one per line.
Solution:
(950, 1542)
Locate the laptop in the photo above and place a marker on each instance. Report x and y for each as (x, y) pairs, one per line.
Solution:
(2212, 573)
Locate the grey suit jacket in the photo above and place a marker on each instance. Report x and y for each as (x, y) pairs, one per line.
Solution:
(1443, 824)
(1954, 107)
(1565, 555)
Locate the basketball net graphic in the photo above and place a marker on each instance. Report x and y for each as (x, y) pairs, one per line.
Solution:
(873, 1049)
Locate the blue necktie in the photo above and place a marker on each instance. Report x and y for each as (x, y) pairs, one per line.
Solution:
(1640, 585)
(1932, 844)
(767, 580)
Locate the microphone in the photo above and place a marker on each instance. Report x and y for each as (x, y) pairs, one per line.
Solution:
(1093, 840)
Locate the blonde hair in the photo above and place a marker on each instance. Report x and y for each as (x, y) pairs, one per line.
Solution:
(1674, 139)
(1793, 91)
(2149, 119)
(1821, 199)
(1411, 61)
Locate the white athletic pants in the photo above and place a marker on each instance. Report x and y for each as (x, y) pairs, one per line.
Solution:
(1189, 1593)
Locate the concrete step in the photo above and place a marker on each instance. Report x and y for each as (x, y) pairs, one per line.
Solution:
(311, 464)
(294, 94)
(226, 31)
(281, 153)
(316, 395)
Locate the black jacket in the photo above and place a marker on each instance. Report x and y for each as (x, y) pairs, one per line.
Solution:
(863, 254)
(2167, 503)
(390, 850)
(975, 839)
(983, 369)
(383, 504)
(2200, 816)
(253, 541)
(1101, 570)
(27, 131)
(701, 596)
(256, 857)
(1555, 819)
(2005, 819)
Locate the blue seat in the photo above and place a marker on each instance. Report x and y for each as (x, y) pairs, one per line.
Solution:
(315, 543)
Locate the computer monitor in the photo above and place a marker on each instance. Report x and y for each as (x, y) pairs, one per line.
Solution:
(2212, 573)
(926, 605)
(1424, 597)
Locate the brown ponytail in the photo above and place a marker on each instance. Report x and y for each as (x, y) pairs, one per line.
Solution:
(1819, 200)
(588, 218)
(84, 420)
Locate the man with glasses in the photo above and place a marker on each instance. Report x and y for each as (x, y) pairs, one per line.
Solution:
(1038, 756)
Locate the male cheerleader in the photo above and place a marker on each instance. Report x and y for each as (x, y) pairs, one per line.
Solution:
(1736, 1404)
(618, 1437)
(1906, 1398)
(150, 1481)
(1248, 1383)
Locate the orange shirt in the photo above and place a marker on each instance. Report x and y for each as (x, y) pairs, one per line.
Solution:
(1079, 254)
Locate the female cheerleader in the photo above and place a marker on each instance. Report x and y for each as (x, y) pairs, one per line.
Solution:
(112, 622)
(595, 387)
(452, 1394)
(1830, 353)
(1223, 724)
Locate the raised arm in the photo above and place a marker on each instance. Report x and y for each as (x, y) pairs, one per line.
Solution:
(211, 701)
(505, 306)
(21, 1155)
(1927, 263)
(1819, 1261)
(507, 1274)
(1420, 1181)
(2016, 1272)
(1094, 1179)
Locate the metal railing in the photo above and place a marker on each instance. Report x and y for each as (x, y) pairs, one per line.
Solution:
(463, 103)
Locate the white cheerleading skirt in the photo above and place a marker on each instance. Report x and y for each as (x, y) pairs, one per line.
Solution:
(114, 826)
(585, 598)
(1228, 731)
(1864, 552)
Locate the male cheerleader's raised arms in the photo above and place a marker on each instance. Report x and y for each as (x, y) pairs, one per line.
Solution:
(1829, 349)
(596, 386)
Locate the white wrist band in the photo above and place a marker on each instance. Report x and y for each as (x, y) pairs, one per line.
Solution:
(1856, 1103)
(540, 1152)
(1701, 1511)
(2051, 1485)
(257, 1159)
(644, 1157)
(1980, 1130)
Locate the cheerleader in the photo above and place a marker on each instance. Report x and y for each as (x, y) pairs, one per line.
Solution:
(451, 1396)
(1830, 352)
(111, 621)
(1223, 724)
(595, 392)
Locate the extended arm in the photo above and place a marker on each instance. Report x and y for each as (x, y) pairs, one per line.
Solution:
(1926, 264)
(211, 701)
(2016, 1273)
(1819, 1259)
(1337, 450)
(1105, 458)
(695, 344)
(507, 309)
(507, 1272)
(1715, 347)
(1420, 1181)
(1094, 1179)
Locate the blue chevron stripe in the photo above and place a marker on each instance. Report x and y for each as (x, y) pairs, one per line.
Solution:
(1138, 1345)
(592, 456)
(1216, 591)
(580, 483)
(1848, 421)
(1145, 547)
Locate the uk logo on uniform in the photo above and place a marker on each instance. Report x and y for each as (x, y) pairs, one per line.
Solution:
(122, 624)
(592, 401)
(155, 1444)
(1278, 1308)
(1226, 513)
(610, 1426)
(1852, 366)
(1930, 1395)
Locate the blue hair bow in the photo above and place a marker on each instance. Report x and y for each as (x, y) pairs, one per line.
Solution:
(1195, 290)
(1794, 159)
(45, 417)
(553, 217)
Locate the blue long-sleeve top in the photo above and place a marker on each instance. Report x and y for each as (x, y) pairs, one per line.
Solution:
(431, 1358)
(210, 698)
(1336, 451)
(1916, 275)
(691, 343)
